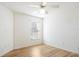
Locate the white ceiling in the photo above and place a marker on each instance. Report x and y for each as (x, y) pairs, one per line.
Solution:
(24, 7)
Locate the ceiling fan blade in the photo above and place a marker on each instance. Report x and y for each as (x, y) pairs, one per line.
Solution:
(34, 6)
(53, 6)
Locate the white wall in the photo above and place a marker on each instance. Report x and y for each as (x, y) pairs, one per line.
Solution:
(61, 26)
(6, 30)
(23, 30)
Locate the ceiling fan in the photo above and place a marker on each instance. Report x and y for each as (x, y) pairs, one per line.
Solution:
(44, 5)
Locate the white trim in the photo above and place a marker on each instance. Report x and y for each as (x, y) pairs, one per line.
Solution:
(49, 44)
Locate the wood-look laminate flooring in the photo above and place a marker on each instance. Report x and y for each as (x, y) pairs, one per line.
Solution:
(40, 51)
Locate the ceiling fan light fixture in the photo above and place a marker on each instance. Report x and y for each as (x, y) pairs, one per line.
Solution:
(42, 12)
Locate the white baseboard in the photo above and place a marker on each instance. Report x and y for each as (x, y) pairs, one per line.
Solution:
(5, 52)
(49, 44)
